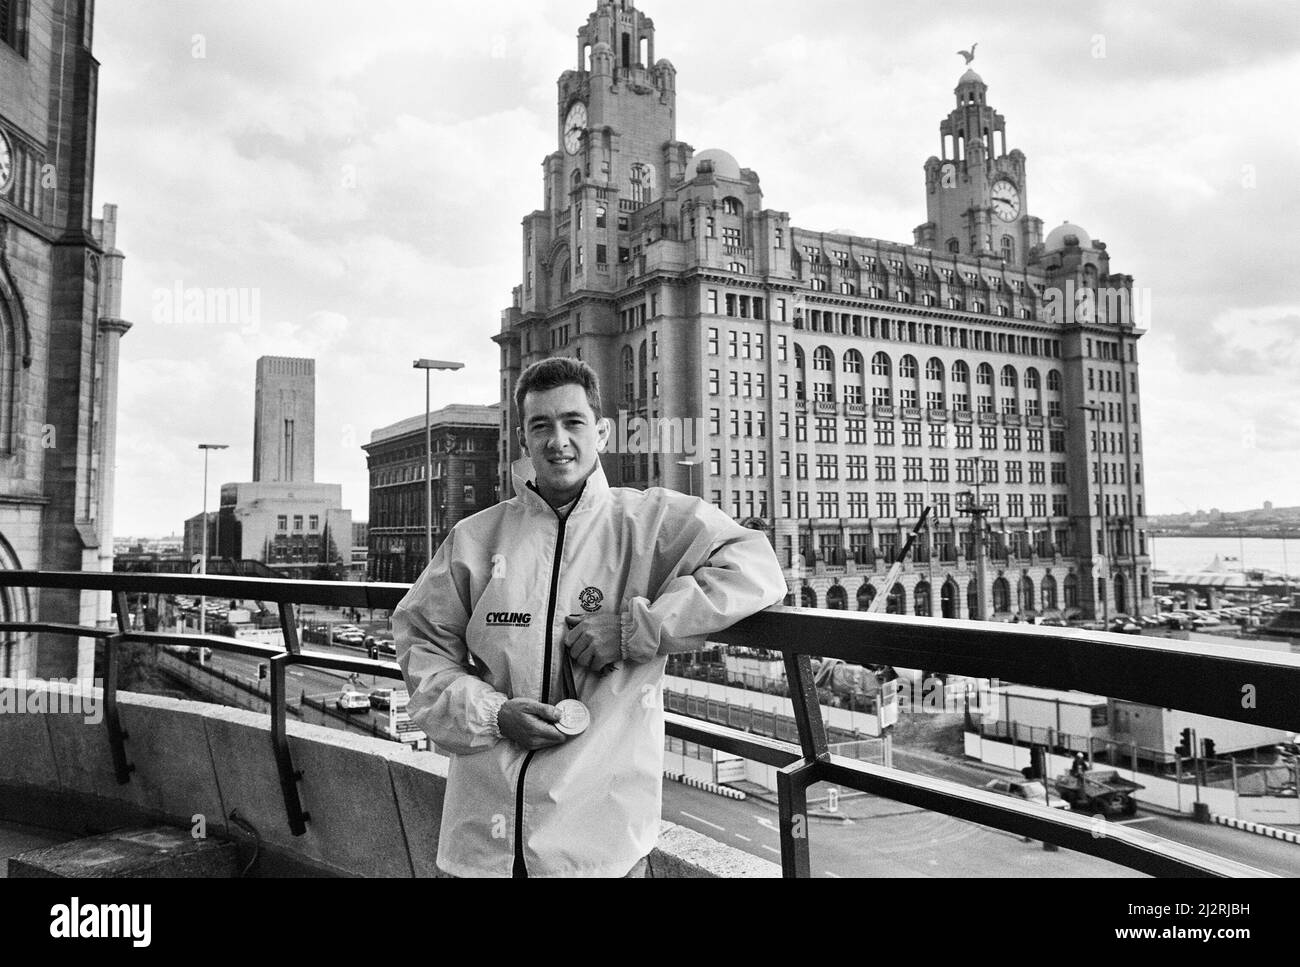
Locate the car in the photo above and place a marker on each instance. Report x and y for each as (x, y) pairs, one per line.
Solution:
(1123, 624)
(1178, 622)
(351, 700)
(381, 697)
(347, 637)
(1204, 621)
(1029, 790)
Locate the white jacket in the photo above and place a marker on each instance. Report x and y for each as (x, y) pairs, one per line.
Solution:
(674, 567)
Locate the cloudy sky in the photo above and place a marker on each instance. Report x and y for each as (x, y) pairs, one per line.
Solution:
(363, 166)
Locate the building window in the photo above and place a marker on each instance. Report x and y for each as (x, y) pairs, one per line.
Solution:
(297, 522)
(313, 523)
(711, 302)
(282, 522)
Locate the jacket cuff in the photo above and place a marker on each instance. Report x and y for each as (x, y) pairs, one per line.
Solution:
(493, 704)
(632, 647)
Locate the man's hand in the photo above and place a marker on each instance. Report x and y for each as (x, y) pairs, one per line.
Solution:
(528, 723)
(594, 640)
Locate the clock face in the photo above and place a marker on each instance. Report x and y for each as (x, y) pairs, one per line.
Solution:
(1006, 200)
(575, 126)
(6, 164)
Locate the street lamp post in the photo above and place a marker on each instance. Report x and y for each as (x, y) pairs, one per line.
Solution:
(690, 474)
(1095, 410)
(427, 365)
(203, 560)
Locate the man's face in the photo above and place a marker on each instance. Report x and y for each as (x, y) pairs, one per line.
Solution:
(562, 436)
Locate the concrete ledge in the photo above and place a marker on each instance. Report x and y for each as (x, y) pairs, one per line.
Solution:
(1272, 832)
(375, 806)
(156, 853)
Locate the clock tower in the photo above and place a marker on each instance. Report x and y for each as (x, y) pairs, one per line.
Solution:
(976, 198)
(616, 118)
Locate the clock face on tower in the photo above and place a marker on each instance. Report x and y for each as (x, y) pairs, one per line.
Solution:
(1006, 200)
(6, 164)
(575, 126)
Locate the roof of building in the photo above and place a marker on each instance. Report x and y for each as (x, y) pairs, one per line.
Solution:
(456, 414)
(970, 77)
(725, 164)
(1060, 236)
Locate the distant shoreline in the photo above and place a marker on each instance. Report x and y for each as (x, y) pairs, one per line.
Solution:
(1271, 535)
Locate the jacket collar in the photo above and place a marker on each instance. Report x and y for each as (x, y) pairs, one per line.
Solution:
(594, 491)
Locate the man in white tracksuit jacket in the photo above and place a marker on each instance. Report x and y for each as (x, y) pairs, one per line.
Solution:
(619, 577)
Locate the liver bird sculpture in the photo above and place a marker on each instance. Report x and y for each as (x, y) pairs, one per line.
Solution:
(969, 54)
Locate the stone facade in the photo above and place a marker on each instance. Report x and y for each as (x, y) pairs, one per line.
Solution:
(284, 420)
(825, 387)
(60, 298)
(464, 462)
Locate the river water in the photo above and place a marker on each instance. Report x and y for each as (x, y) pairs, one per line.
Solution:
(1196, 553)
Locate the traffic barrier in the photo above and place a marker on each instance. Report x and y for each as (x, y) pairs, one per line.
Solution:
(712, 787)
(1259, 829)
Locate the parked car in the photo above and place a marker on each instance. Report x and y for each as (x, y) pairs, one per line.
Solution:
(350, 700)
(381, 697)
(1124, 625)
(346, 637)
(1030, 790)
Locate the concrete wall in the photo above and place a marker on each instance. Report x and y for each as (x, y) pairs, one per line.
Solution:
(840, 718)
(375, 805)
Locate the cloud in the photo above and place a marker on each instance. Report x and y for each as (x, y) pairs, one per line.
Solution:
(367, 175)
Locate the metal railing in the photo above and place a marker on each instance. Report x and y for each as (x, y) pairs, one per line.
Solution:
(1182, 675)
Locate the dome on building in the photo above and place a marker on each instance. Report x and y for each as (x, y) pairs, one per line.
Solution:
(970, 77)
(723, 163)
(1064, 234)
(602, 48)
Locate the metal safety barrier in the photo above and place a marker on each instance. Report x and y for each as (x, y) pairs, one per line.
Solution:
(1261, 688)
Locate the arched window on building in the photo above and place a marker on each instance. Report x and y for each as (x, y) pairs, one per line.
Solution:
(1048, 592)
(1008, 248)
(837, 598)
(880, 365)
(948, 598)
(897, 602)
(853, 361)
(960, 373)
(1053, 381)
(907, 367)
(823, 360)
(866, 594)
(808, 597)
(934, 369)
(1025, 601)
(641, 392)
(1009, 377)
(984, 375)
(1001, 596)
(921, 598)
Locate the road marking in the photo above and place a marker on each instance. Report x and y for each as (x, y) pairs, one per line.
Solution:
(295, 674)
(704, 821)
(745, 838)
(1130, 822)
(770, 849)
(836, 875)
(767, 823)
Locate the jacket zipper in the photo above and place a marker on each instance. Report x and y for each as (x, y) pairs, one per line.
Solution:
(520, 867)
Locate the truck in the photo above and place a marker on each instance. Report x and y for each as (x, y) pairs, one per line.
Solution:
(1099, 791)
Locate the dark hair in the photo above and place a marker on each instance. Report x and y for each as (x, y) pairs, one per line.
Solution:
(557, 371)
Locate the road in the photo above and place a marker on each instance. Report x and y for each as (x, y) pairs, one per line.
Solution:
(900, 841)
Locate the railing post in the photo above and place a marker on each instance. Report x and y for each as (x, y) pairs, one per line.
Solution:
(792, 782)
(117, 736)
(298, 818)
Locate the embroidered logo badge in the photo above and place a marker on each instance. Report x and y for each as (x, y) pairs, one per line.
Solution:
(590, 599)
